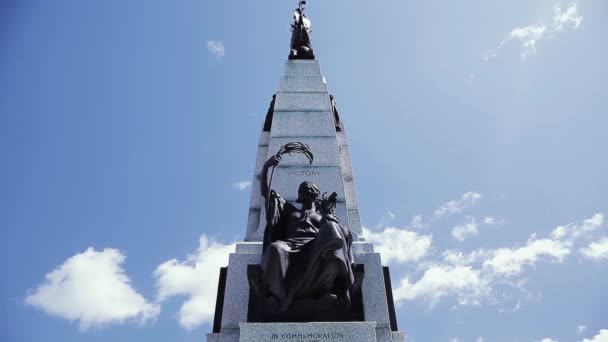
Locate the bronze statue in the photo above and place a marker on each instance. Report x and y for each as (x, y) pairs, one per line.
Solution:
(307, 253)
(301, 42)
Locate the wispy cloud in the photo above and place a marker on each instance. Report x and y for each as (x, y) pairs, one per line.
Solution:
(242, 186)
(196, 277)
(216, 48)
(93, 289)
(465, 230)
(467, 200)
(570, 17)
(529, 36)
(580, 329)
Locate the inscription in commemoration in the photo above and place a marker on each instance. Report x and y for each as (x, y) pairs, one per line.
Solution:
(308, 337)
(303, 173)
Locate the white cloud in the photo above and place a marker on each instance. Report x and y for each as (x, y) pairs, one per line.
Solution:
(602, 336)
(473, 276)
(581, 329)
(439, 281)
(597, 250)
(528, 36)
(568, 17)
(479, 339)
(462, 231)
(242, 186)
(216, 48)
(572, 231)
(489, 220)
(510, 261)
(92, 288)
(467, 200)
(546, 339)
(398, 245)
(196, 277)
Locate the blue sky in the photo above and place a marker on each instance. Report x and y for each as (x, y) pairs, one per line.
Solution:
(477, 133)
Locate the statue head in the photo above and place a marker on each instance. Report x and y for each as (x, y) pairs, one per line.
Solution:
(308, 192)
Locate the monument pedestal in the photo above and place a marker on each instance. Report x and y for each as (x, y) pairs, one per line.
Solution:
(308, 332)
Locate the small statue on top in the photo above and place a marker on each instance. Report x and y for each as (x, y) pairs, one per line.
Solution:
(301, 45)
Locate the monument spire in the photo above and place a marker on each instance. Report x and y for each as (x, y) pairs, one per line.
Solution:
(301, 42)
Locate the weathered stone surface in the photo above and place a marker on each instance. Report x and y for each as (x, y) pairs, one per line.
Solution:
(303, 124)
(354, 221)
(302, 68)
(361, 248)
(237, 290)
(324, 149)
(309, 332)
(375, 305)
(341, 136)
(287, 179)
(264, 138)
(349, 179)
(302, 102)
(253, 222)
(260, 159)
(399, 336)
(249, 248)
(213, 337)
(256, 199)
(306, 84)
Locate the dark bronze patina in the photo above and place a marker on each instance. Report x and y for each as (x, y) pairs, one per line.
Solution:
(307, 254)
(301, 42)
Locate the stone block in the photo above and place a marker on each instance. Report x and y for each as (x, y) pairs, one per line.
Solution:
(341, 136)
(352, 201)
(305, 84)
(362, 248)
(249, 248)
(308, 332)
(255, 201)
(253, 222)
(300, 68)
(303, 124)
(354, 221)
(263, 138)
(213, 337)
(260, 159)
(302, 102)
(229, 335)
(375, 304)
(399, 336)
(287, 179)
(237, 290)
(324, 149)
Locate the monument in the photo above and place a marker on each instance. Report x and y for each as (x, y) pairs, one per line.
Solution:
(303, 272)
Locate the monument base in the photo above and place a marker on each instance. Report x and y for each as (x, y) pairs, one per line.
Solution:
(308, 332)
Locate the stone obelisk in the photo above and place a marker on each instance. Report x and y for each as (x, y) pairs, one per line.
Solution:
(302, 110)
